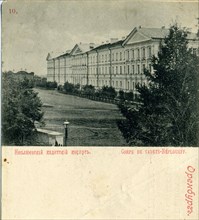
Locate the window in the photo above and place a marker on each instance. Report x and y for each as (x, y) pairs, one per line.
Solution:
(121, 84)
(116, 83)
(138, 69)
(102, 58)
(113, 56)
(116, 56)
(149, 52)
(127, 55)
(128, 69)
(112, 70)
(106, 57)
(143, 53)
(143, 68)
(133, 69)
(113, 83)
(116, 69)
(150, 68)
(120, 55)
(124, 70)
(133, 55)
(138, 53)
(120, 69)
(128, 85)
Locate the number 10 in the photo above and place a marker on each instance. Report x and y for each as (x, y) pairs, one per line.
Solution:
(13, 11)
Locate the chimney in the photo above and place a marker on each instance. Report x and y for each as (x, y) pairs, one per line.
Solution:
(91, 45)
(163, 27)
(113, 40)
(140, 27)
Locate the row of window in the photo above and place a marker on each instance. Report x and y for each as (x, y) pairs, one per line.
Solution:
(118, 56)
(131, 69)
(117, 84)
(131, 54)
(140, 53)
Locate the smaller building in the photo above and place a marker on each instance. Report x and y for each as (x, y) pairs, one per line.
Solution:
(49, 138)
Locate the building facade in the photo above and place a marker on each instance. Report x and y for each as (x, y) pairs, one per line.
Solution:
(118, 63)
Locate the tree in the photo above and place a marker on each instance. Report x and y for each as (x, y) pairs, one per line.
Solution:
(121, 95)
(88, 90)
(68, 87)
(51, 85)
(21, 107)
(169, 112)
(108, 92)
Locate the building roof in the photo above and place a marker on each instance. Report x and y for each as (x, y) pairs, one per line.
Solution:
(103, 46)
(55, 54)
(84, 47)
(150, 33)
(161, 33)
(154, 32)
(49, 132)
(65, 54)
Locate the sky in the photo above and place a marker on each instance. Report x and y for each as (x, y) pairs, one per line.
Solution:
(39, 27)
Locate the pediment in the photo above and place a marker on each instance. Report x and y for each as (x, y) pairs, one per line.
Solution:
(135, 36)
(76, 50)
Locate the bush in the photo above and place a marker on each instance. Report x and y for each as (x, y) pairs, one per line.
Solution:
(108, 92)
(88, 90)
(51, 85)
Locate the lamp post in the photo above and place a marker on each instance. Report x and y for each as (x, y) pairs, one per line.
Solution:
(66, 123)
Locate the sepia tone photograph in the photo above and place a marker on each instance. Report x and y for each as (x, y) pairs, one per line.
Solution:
(99, 109)
(100, 73)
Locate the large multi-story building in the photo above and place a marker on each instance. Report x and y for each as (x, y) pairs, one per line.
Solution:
(118, 63)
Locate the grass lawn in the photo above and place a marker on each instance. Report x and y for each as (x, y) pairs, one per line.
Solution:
(92, 123)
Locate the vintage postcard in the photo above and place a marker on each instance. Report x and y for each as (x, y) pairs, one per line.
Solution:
(99, 106)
